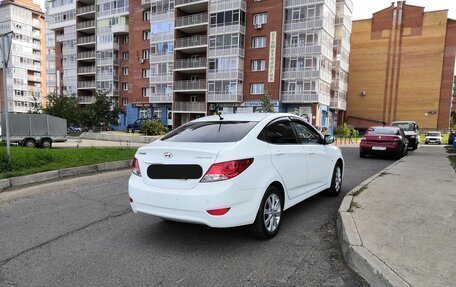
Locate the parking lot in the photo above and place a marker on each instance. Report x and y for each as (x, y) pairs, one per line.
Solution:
(81, 232)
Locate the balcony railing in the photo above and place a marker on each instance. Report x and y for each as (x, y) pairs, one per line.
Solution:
(216, 6)
(161, 98)
(165, 78)
(86, 55)
(198, 63)
(199, 85)
(86, 39)
(34, 78)
(305, 97)
(187, 2)
(86, 24)
(190, 42)
(304, 24)
(195, 19)
(107, 62)
(113, 12)
(86, 70)
(86, 85)
(145, 3)
(199, 107)
(85, 100)
(86, 9)
(225, 74)
(224, 97)
(338, 104)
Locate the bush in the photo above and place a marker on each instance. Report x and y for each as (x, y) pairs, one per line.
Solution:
(153, 128)
(346, 130)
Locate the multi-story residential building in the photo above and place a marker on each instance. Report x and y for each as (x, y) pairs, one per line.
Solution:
(26, 84)
(402, 65)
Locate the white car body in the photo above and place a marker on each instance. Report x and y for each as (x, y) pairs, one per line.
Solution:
(301, 170)
(433, 137)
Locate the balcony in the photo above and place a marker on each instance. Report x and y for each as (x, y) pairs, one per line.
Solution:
(160, 58)
(225, 74)
(86, 85)
(216, 6)
(195, 23)
(165, 78)
(191, 6)
(146, 4)
(86, 55)
(225, 52)
(338, 104)
(87, 40)
(114, 12)
(107, 62)
(195, 44)
(305, 97)
(85, 100)
(233, 27)
(303, 73)
(159, 98)
(120, 28)
(303, 24)
(189, 107)
(85, 10)
(36, 35)
(87, 25)
(339, 84)
(190, 86)
(86, 70)
(224, 97)
(300, 50)
(191, 65)
(32, 78)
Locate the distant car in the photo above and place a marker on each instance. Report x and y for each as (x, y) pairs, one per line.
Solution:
(388, 140)
(411, 131)
(136, 125)
(73, 128)
(239, 169)
(433, 137)
(451, 137)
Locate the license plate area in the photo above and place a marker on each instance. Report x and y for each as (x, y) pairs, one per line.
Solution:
(174, 171)
(378, 148)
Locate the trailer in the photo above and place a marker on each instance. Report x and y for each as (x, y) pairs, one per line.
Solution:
(35, 130)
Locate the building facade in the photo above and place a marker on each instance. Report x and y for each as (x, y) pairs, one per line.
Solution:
(177, 60)
(26, 78)
(402, 67)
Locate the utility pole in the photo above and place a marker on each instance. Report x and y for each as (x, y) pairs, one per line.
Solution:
(5, 42)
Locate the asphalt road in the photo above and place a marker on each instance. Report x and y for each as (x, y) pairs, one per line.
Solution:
(81, 232)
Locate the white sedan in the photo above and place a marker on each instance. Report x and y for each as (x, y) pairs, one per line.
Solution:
(233, 170)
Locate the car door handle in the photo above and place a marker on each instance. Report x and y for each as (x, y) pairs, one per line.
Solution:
(311, 153)
(279, 153)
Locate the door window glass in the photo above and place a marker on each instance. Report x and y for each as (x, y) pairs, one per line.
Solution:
(281, 133)
(305, 134)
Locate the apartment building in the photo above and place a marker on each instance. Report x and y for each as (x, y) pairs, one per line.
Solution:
(402, 65)
(26, 84)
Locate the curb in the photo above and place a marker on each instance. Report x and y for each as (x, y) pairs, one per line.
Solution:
(357, 257)
(118, 138)
(62, 173)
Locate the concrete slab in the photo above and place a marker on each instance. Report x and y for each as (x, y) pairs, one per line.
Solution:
(78, 170)
(4, 184)
(114, 165)
(34, 178)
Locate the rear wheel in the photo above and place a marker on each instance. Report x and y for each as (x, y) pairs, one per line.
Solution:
(46, 143)
(336, 181)
(269, 216)
(362, 154)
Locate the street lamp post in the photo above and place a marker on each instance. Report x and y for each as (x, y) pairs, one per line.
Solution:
(5, 42)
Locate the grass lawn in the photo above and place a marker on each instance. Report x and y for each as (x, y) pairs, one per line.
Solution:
(452, 157)
(32, 160)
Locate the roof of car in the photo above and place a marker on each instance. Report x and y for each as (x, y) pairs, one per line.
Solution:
(256, 117)
(403, 122)
(384, 127)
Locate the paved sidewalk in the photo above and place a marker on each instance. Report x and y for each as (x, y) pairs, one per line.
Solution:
(406, 222)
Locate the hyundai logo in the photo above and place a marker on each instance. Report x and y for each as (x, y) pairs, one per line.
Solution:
(168, 154)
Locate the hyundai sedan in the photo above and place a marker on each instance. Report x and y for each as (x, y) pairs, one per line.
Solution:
(234, 170)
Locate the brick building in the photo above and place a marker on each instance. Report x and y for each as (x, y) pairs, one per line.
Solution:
(402, 67)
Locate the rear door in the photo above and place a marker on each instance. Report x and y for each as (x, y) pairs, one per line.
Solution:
(287, 156)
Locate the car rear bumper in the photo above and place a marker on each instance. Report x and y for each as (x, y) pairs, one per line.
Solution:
(191, 205)
(369, 148)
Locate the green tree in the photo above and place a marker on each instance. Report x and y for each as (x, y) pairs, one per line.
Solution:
(345, 130)
(103, 112)
(266, 103)
(63, 107)
(153, 128)
(453, 120)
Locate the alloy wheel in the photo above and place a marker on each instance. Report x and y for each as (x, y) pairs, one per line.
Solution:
(272, 212)
(337, 179)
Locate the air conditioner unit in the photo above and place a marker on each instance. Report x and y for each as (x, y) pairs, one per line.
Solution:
(257, 26)
(212, 107)
(141, 61)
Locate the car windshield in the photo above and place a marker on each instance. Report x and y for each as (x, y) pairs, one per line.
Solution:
(433, 134)
(382, 131)
(217, 131)
(405, 126)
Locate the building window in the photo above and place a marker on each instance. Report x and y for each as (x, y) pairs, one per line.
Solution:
(125, 39)
(125, 86)
(146, 16)
(124, 101)
(146, 54)
(257, 89)
(146, 35)
(125, 55)
(145, 92)
(125, 71)
(144, 114)
(259, 42)
(260, 18)
(258, 65)
(146, 73)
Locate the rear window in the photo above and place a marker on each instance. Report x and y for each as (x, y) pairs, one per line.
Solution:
(208, 132)
(383, 131)
(433, 134)
(405, 126)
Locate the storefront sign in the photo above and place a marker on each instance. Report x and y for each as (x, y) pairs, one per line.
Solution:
(272, 55)
(257, 104)
(141, 105)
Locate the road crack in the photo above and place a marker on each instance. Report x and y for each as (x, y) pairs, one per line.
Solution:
(114, 215)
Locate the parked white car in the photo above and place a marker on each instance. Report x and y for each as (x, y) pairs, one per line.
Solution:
(233, 170)
(433, 137)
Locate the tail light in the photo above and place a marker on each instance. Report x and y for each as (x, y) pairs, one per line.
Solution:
(135, 167)
(363, 138)
(226, 170)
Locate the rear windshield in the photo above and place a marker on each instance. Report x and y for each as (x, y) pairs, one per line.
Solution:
(433, 134)
(208, 132)
(382, 131)
(405, 126)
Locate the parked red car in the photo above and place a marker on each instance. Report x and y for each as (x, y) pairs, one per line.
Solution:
(384, 140)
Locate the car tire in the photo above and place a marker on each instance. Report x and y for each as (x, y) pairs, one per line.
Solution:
(405, 151)
(46, 143)
(362, 154)
(130, 131)
(263, 227)
(415, 147)
(30, 143)
(336, 181)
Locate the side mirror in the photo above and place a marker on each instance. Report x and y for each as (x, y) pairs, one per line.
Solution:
(329, 139)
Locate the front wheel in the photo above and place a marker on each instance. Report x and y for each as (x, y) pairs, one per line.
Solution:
(269, 216)
(336, 181)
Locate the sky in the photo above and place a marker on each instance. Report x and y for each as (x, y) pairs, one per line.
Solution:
(363, 9)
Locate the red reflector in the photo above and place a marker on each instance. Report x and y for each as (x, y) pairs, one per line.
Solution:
(220, 211)
(131, 199)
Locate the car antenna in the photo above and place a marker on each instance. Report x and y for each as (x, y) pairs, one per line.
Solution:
(220, 115)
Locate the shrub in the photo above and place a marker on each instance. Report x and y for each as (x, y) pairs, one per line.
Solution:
(153, 128)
